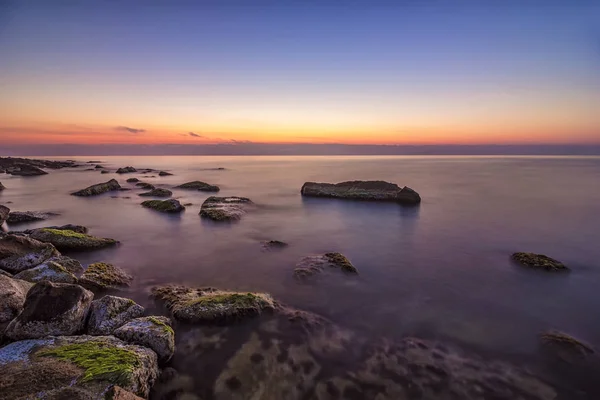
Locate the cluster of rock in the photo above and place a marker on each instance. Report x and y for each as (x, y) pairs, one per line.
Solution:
(30, 167)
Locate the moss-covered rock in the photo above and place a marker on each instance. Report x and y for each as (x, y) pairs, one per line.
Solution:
(49, 271)
(158, 192)
(111, 312)
(199, 185)
(18, 253)
(167, 206)
(70, 264)
(362, 190)
(539, 261)
(51, 309)
(67, 227)
(316, 264)
(145, 185)
(12, 297)
(99, 188)
(152, 332)
(71, 240)
(19, 217)
(103, 276)
(126, 170)
(224, 208)
(75, 365)
(210, 305)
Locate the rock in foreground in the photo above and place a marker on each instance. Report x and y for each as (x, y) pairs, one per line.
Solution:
(99, 188)
(18, 253)
(103, 276)
(166, 206)
(70, 240)
(49, 271)
(12, 297)
(362, 190)
(224, 208)
(539, 261)
(199, 185)
(110, 313)
(311, 265)
(158, 192)
(152, 332)
(18, 217)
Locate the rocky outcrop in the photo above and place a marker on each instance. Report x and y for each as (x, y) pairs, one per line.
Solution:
(145, 185)
(164, 173)
(10, 164)
(51, 309)
(166, 206)
(199, 185)
(99, 188)
(539, 261)
(132, 180)
(75, 366)
(49, 271)
(126, 170)
(152, 332)
(70, 240)
(26, 170)
(311, 265)
(110, 313)
(362, 190)
(211, 305)
(4, 213)
(224, 208)
(158, 192)
(12, 297)
(18, 217)
(18, 253)
(103, 276)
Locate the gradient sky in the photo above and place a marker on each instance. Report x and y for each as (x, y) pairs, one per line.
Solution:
(368, 72)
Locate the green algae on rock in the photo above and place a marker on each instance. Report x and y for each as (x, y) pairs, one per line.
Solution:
(539, 261)
(167, 206)
(110, 313)
(362, 190)
(97, 189)
(224, 208)
(153, 332)
(64, 239)
(49, 271)
(157, 192)
(311, 265)
(103, 276)
(200, 186)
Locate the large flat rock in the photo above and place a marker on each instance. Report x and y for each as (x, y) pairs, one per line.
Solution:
(362, 190)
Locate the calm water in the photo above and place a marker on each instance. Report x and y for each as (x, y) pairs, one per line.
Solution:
(439, 271)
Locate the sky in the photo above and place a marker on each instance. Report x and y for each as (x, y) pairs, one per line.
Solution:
(97, 73)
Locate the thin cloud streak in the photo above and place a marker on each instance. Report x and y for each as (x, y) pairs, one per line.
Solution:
(130, 130)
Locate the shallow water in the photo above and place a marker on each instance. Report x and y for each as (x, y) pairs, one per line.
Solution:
(439, 271)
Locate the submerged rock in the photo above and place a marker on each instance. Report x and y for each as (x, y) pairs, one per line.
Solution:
(565, 347)
(26, 170)
(224, 208)
(152, 332)
(70, 240)
(103, 276)
(126, 170)
(167, 206)
(51, 309)
(210, 305)
(362, 190)
(157, 193)
(17, 217)
(274, 244)
(75, 366)
(133, 180)
(199, 185)
(145, 185)
(110, 313)
(99, 188)
(12, 297)
(164, 173)
(18, 253)
(49, 271)
(4, 213)
(311, 265)
(539, 261)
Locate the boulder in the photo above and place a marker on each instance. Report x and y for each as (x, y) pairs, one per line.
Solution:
(18, 217)
(49, 271)
(18, 253)
(362, 190)
(311, 265)
(539, 261)
(75, 366)
(99, 188)
(51, 309)
(158, 192)
(103, 276)
(71, 240)
(224, 208)
(164, 173)
(27, 170)
(145, 185)
(152, 332)
(4, 213)
(70, 264)
(167, 206)
(132, 180)
(126, 170)
(209, 305)
(12, 297)
(199, 185)
(111, 312)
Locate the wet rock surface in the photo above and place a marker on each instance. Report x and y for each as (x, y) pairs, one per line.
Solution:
(153, 332)
(126, 170)
(199, 185)
(48, 271)
(145, 185)
(133, 180)
(110, 313)
(103, 276)
(166, 206)
(158, 192)
(362, 190)
(539, 261)
(12, 297)
(18, 253)
(317, 264)
(98, 189)
(224, 208)
(18, 217)
(164, 173)
(71, 240)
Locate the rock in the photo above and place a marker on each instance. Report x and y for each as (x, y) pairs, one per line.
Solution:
(539, 261)
(70, 240)
(12, 297)
(133, 180)
(110, 313)
(18, 253)
(4, 213)
(566, 347)
(118, 393)
(167, 206)
(152, 332)
(68, 227)
(199, 185)
(103, 276)
(70, 264)
(311, 265)
(274, 244)
(2, 186)
(164, 173)
(18, 217)
(210, 305)
(98, 166)
(49, 271)
(27, 170)
(5, 273)
(104, 172)
(224, 208)
(145, 185)
(157, 193)
(126, 170)
(362, 190)
(99, 188)
(75, 365)
(51, 309)
(10, 164)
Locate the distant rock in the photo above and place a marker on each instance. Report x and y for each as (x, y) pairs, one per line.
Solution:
(199, 185)
(27, 170)
(51, 309)
(274, 244)
(164, 173)
(70, 240)
(539, 261)
(110, 313)
(311, 265)
(145, 185)
(19, 217)
(133, 180)
(18, 253)
(103, 276)
(27, 165)
(104, 172)
(224, 208)
(49, 271)
(94, 162)
(4, 213)
(98, 166)
(126, 170)
(152, 332)
(158, 192)
(99, 188)
(167, 206)
(362, 190)
(12, 297)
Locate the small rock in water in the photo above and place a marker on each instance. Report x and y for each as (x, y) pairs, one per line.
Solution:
(126, 170)
(152, 332)
(103, 276)
(70, 240)
(274, 244)
(18, 217)
(159, 192)
(164, 173)
(362, 190)
(311, 265)
(166, 206)
(133, 180)
(104, 172)
(145, 185)
(99, 188)
(98, 166)
(539, 261)
(224, 208)
(199, 185)
(110, 313)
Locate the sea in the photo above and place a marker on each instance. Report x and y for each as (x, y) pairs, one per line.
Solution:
(441, 271)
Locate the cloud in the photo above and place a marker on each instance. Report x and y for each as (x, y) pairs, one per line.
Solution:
(194, 134)
(130, 130)
(240, 141)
